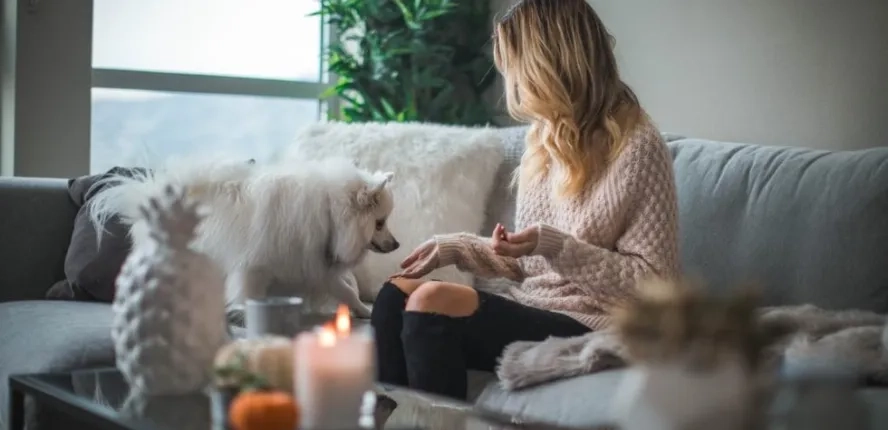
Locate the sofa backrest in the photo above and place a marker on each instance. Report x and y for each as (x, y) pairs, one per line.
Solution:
(803, 225)
(36, 220)
(501, 204)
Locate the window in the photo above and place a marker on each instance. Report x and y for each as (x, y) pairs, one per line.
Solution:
(179, 77)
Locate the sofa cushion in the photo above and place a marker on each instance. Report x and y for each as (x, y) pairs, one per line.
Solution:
(47, 336)
(806, 226)
(579, 402)
(36, 218)
(92, 267)
(500, 206)
(587, 401)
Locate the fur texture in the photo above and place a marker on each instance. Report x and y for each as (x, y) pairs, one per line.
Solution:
(291, 228)
(812, 337)
(445, 176)
(678, 323)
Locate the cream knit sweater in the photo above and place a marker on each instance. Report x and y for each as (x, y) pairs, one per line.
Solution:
(592, 249)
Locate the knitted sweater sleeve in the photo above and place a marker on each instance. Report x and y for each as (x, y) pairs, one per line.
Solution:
(474, 254)
(649, 245)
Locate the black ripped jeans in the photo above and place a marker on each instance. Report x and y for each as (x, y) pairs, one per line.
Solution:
(432, 352)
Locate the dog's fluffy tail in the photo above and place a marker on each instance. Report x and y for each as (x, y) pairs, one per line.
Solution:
(123, 196)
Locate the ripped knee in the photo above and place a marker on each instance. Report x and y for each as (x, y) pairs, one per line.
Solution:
(407, 285)
(443, 298)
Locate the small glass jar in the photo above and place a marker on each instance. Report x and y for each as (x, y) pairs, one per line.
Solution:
(279, 316)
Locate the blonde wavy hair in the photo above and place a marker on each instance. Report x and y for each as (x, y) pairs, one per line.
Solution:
(557, 60)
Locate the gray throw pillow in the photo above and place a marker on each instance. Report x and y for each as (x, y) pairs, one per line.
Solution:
(91, 267)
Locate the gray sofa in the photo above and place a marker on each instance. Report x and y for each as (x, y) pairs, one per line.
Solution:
(808, 226)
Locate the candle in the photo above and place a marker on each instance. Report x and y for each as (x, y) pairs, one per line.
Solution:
(334, 366)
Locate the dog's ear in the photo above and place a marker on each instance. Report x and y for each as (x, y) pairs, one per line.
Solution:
(382, 179)
(368, 195)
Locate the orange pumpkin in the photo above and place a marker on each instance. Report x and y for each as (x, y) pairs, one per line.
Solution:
(265, 410)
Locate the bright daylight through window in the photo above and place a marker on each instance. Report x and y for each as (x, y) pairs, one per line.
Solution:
(158, 63)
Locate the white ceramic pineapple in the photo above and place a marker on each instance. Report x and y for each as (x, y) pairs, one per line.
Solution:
(169, 309)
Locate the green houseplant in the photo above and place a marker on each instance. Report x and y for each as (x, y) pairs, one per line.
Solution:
(410, 60)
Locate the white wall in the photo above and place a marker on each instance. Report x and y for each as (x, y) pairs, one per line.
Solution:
(785, 72)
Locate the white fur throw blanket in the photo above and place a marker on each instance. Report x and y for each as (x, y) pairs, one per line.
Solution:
(444, 176)
(850, 340)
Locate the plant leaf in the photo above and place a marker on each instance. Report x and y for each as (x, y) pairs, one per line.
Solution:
(405, 60)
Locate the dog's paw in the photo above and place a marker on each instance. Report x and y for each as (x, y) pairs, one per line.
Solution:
(362, 311)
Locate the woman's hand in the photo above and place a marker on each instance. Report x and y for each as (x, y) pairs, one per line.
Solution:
(515, 245)
(420, 262)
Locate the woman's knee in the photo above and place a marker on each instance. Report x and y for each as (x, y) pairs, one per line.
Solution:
(443, 298)
(406, 285)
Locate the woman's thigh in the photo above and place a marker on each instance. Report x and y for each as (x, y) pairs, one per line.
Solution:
(499, 322)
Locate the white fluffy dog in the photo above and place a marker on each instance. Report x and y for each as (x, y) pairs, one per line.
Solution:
(292, 228)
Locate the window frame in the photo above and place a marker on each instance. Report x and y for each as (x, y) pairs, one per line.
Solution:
(132, 79)
(193, 83)
(205, 84)
(44, 41)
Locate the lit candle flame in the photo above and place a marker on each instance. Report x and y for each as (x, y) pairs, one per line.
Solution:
(343, 320)
(326, 336)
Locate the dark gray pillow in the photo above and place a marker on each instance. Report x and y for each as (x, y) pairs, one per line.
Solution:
(91, 268)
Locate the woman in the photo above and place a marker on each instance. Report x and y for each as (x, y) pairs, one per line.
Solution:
(596, 213)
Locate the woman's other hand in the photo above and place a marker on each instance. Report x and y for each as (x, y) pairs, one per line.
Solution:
(515, 245)
(422, 261)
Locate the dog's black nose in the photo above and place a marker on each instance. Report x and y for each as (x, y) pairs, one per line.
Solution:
(395, 245)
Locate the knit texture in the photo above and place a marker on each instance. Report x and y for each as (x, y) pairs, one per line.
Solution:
(594, 248)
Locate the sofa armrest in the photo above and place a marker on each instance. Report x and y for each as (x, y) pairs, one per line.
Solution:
(36, 222)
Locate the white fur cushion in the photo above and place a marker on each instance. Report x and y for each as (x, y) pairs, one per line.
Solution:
(443, 177)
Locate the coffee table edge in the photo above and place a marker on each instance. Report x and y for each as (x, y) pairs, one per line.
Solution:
(80, 408)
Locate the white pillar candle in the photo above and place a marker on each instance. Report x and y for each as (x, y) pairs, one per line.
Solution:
(334, 367)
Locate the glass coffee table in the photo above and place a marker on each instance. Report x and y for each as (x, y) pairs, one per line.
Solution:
(101, 399)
